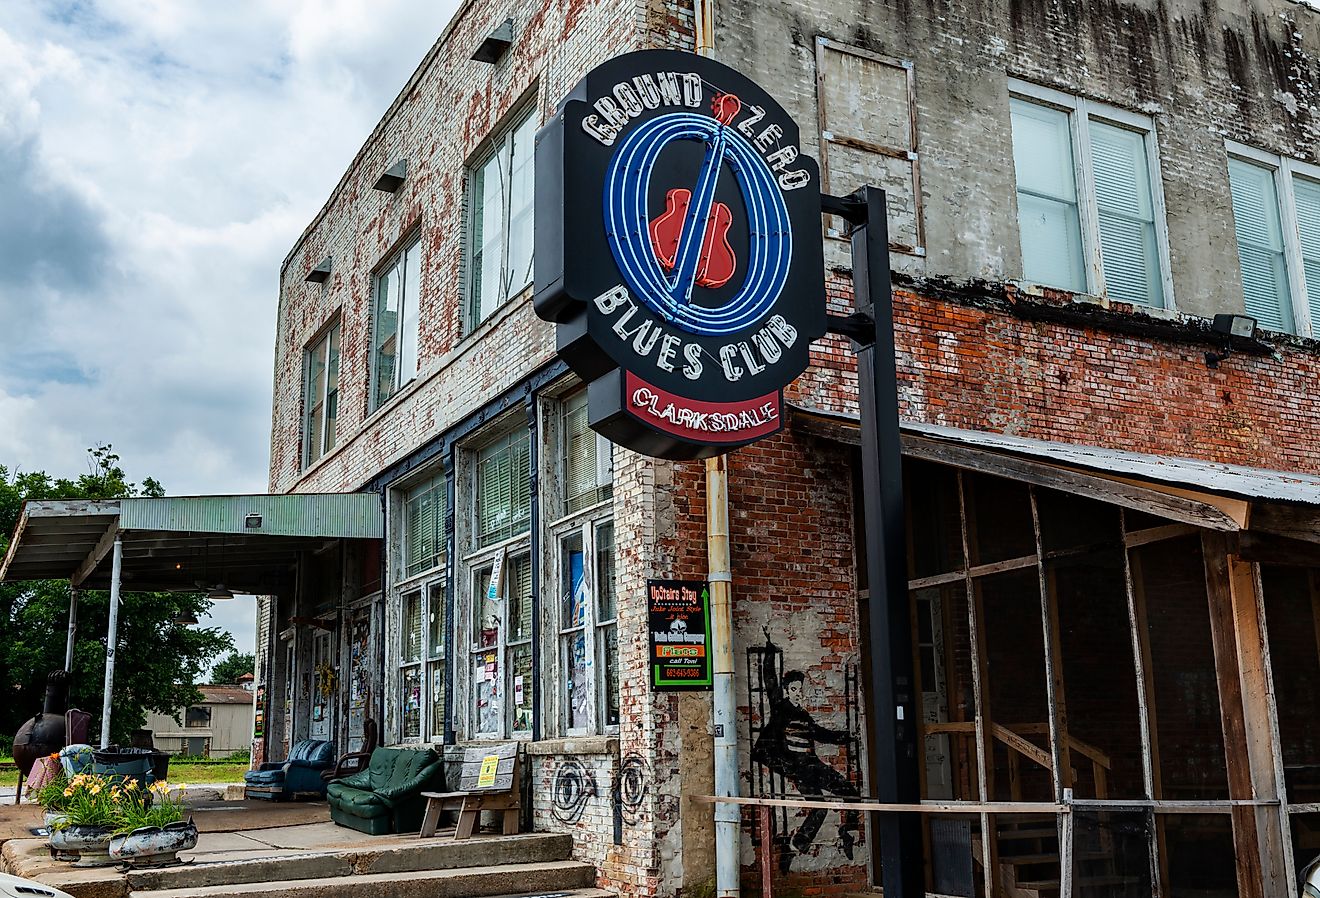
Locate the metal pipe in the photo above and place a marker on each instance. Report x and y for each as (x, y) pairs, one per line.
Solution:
(73, 629)
(727, 816)
(111, 638)
(703, 12)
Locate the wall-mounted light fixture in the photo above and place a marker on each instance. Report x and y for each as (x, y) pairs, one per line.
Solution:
(1228, 328)
(496, 44)
(218, 593)
(253, 520)
(392, 180)
(186, 619)
(321, 273)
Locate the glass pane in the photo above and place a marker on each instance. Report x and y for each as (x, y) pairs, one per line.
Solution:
(577, 692)
(411, 277)
(488, 235)
(1260, 245)
(606, 596)
(520, 451)
(607, 643)
(412, 627)
(520, 663)
(386, 332)
(332, 390)
(504, 494)
(1127, 217)
(1308, 230)
(424, 526)
(486, 691)
(437, 701)
(435, 630)
(573, 584)
(313, 399)
(519, 593)
(486, 606)
(520, 208)
(412, 704)
(1050, 226)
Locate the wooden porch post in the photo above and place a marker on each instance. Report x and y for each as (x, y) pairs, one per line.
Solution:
(1247, 706)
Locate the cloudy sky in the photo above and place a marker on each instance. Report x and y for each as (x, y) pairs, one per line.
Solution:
(157, 160)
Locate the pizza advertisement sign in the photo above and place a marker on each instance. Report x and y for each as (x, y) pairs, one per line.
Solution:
(678, 251)
(679, 622)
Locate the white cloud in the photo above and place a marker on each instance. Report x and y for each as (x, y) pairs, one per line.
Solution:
(157, 160)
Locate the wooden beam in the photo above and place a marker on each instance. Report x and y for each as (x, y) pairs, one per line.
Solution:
(1128, 494)
(1293, 521)
(1137, 538)
(103, 546)
(1250, 741)
(1269, 548)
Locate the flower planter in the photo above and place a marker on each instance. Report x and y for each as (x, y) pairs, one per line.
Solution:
(92, 843)
(51, 819)
(154, 846)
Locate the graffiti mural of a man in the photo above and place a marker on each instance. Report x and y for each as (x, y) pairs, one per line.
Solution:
(787, 745)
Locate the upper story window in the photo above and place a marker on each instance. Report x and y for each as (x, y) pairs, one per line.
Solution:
(321, 395)
(1090, 208)
(1276, 211)
(198, 716)
(500, 220)
(394, 323)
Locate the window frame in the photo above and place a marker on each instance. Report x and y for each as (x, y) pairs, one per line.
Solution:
(396, 259)
(431, 587)
(474, 560)
(1081, 112)
(583, 524)
(1285, 171)
(497, 142)
(324, 337)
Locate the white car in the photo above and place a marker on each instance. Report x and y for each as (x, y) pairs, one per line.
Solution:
(17, 887)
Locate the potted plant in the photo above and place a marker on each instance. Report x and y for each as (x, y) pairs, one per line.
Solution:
(151, 830)
(90, 817)
(53, 803)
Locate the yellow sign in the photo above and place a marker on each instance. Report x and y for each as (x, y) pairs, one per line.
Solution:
(489, 765)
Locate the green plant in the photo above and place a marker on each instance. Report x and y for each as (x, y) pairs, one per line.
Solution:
(92, 800)
(51, 796)
(153, 806)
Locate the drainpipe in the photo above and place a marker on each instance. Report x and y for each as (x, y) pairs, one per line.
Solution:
(727, 816)
(111, 639)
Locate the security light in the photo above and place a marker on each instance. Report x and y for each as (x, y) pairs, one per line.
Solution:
(496, 44)
(218, 593)
(252, 521)
(1229, 327)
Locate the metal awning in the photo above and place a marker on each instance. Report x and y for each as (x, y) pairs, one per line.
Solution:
(245, 543)
(1214, 495)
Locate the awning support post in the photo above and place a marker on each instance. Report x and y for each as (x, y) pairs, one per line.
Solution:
(73, 629)
(111, 639)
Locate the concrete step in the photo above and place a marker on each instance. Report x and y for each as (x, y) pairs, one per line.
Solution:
(560, 878)
(441, 853)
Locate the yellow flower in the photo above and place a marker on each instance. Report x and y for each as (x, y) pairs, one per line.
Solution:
(131, 784)
(55, 755)
(68, 793)
(96, 789)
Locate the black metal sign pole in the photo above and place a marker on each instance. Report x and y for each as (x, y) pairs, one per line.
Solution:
(894, 709)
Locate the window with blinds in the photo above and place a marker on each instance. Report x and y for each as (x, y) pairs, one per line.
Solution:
(424, 510)
(1260, 238)
(587, 458)
(412, 628)
(1306, 194)
(504, 492)
(1089, 202)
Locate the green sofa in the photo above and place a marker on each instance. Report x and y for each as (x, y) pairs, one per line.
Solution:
(387, 795)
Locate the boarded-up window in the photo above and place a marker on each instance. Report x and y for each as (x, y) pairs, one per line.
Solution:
(868, 135)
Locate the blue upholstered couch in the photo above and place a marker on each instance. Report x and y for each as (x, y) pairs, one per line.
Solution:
(299, 773)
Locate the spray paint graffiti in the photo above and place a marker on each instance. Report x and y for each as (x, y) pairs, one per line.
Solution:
(785, 736)
(574, 786)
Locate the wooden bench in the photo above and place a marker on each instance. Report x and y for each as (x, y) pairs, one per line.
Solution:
(489, 781)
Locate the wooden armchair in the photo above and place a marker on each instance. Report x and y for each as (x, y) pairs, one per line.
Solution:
(356, 761)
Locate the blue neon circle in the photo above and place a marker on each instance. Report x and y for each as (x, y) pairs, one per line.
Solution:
(627, 225)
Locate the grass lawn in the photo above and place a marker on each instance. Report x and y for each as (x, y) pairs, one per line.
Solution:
(185, 773)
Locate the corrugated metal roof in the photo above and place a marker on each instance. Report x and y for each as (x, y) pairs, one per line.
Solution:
(1238, 481)
(178, 542)
(225, 695)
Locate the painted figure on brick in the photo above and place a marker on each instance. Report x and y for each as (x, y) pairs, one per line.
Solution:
(787, 745)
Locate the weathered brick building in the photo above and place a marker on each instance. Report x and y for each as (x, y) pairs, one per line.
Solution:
(1124, 648)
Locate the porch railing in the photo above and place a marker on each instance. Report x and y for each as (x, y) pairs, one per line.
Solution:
(1014, 738)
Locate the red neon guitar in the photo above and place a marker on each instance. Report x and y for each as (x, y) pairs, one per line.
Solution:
(672, 231)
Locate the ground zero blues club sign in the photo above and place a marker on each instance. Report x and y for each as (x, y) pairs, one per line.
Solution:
(678, 250)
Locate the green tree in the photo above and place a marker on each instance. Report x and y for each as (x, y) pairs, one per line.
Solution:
(230, 669)
(157, 660)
